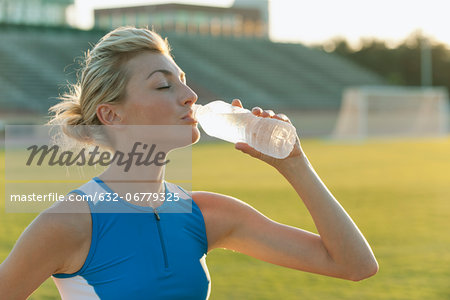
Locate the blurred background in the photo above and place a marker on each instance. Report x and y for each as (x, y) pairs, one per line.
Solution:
(297, 57)
(364, 82)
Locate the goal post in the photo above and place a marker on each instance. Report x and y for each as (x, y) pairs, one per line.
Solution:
(391, 111)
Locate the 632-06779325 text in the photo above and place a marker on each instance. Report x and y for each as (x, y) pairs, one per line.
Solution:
(111, 197)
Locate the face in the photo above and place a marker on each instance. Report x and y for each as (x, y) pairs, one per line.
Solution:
(157, 94)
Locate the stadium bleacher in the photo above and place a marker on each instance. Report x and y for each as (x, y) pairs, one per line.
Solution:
(37, 62)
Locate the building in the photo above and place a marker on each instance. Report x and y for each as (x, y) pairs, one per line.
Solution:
(34, 12)
(247, 18)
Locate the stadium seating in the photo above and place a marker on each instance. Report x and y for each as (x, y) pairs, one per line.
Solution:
(37, 62)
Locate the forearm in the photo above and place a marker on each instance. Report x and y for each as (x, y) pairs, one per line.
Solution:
(344, 242)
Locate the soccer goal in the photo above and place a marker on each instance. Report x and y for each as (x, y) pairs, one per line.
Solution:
(385, 111)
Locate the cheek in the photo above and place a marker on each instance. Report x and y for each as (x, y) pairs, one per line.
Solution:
(153, 113)
(161, 113)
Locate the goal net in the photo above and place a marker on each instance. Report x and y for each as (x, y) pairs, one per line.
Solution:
(392, 112)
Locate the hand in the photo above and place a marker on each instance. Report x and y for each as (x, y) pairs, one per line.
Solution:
(244, 147)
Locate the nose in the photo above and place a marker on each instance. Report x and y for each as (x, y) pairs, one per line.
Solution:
(190, 97)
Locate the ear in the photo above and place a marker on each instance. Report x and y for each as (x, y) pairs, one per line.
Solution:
(108, 114)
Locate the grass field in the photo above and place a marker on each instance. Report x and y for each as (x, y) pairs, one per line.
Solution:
(396, 191)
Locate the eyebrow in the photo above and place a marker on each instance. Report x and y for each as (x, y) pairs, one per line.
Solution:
(166, 72)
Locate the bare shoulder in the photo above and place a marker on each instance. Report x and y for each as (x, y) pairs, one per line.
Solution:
(71, 216)
(222, 214)
(63, 223)
(214, 203)
(55, 242)
(70, 226)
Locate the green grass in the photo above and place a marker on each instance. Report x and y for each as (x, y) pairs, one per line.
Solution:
(396, 191)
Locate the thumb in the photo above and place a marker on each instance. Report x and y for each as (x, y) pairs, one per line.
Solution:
(246, 148)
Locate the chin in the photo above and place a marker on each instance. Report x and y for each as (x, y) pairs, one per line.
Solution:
(195, 134)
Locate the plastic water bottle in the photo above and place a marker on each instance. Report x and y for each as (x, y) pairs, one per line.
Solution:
(235, 124)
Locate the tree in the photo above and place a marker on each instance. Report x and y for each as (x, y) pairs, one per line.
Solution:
(400, 65)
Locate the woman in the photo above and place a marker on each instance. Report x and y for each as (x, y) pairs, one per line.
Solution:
(129, 78)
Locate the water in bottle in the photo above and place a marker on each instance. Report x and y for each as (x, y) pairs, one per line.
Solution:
(235, 124)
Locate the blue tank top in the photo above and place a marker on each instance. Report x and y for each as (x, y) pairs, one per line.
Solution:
(139, 253)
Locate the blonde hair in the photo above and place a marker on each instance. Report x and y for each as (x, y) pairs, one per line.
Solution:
(103, 79)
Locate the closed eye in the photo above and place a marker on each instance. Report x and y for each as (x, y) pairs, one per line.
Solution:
(163, 87)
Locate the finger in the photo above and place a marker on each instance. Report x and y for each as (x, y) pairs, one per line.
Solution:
(267, 113)
(282, 117)
(279, 117)
(257, 111)
(246, 148)
(236, 102)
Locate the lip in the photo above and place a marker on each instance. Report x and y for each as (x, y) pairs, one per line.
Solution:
(189, 116)
(189, 120)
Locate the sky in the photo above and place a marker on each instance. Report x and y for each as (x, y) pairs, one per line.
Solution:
(317, 21)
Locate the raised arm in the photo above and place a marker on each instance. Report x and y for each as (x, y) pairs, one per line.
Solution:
(340, 250)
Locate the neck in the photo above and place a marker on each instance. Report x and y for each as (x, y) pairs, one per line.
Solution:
(137, 168)
(139, 185)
